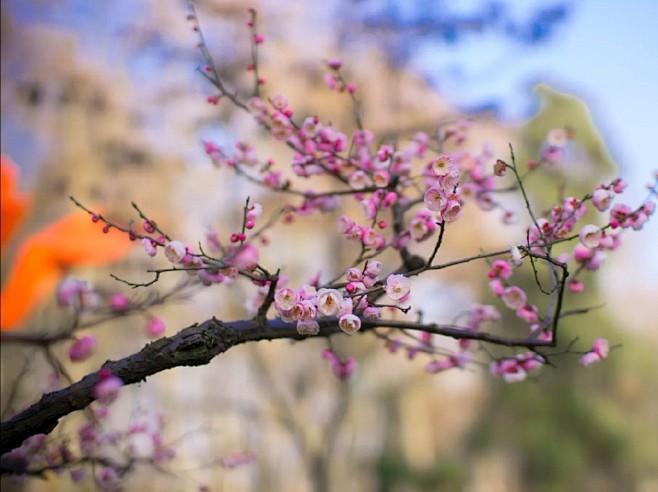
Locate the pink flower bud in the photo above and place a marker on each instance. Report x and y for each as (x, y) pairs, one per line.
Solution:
(107, 389)
(119, 302)
(82, 348)
(155, 327)
(149, 246)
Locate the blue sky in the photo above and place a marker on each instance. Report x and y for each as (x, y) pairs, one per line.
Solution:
(606, 53)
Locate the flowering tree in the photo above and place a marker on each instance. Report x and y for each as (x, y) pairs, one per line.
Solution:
(408, 193)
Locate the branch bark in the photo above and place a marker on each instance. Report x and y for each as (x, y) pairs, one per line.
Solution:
(195, 346)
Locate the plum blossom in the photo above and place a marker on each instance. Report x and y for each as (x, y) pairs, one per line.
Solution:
(349, 323)
(442, 165)
(175, 251)
(397, 286)
(149, 246)
(514, 297)
(500, 269)
(77, 294)
(373, 267)
(245, 257)
(329, 302)
(590, 236)
(600, 349)
(435, 199)
(342, 370)
(453, 209)
(285, 299)
(601, 199)
(308, 328)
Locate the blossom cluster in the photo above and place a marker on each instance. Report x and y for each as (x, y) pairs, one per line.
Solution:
(307, 304)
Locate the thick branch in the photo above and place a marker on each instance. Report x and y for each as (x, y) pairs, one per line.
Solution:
(195, 346)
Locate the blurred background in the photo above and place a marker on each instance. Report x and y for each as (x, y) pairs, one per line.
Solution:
(101, 100)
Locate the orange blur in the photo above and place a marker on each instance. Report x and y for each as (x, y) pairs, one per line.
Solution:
(45, 256)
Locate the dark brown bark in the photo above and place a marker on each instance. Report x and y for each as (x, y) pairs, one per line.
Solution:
(193, 346)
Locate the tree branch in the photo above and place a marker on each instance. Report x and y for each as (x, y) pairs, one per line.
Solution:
(195, 346)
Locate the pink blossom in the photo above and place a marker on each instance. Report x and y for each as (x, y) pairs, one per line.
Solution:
(330, 80)
(82, 348)
(119, 302)
(421, 228)
(619, 214)
(527, 313)
(381, 178)
(500, 168)
(329, 302)
(575, 286)
(107, 389)
(372, 312)
(582, 253)
(438, 365)
(601, 199)
(509, 370)
(590, 236)
(369, 209)
(500, 269)
(453, 209)
(600, 350)
(359, 180)
(345, 224)
(442, 165)
(69, 289)
(588, 359)
(245, 257)
(149, 246)
(619, 185)
(349, 323)
(353, 275)
(514, 297)
(601, 347)
(155, 327)
(175, 251)
(435, 199)
(209, 277)
(397, 286)
(308, 328)
(371, 238)
(346, 307)
(595, 261)
(530, 362)
(497, 287)
(255, 210)
(285, 299)
(342, 370)
(373, 267)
